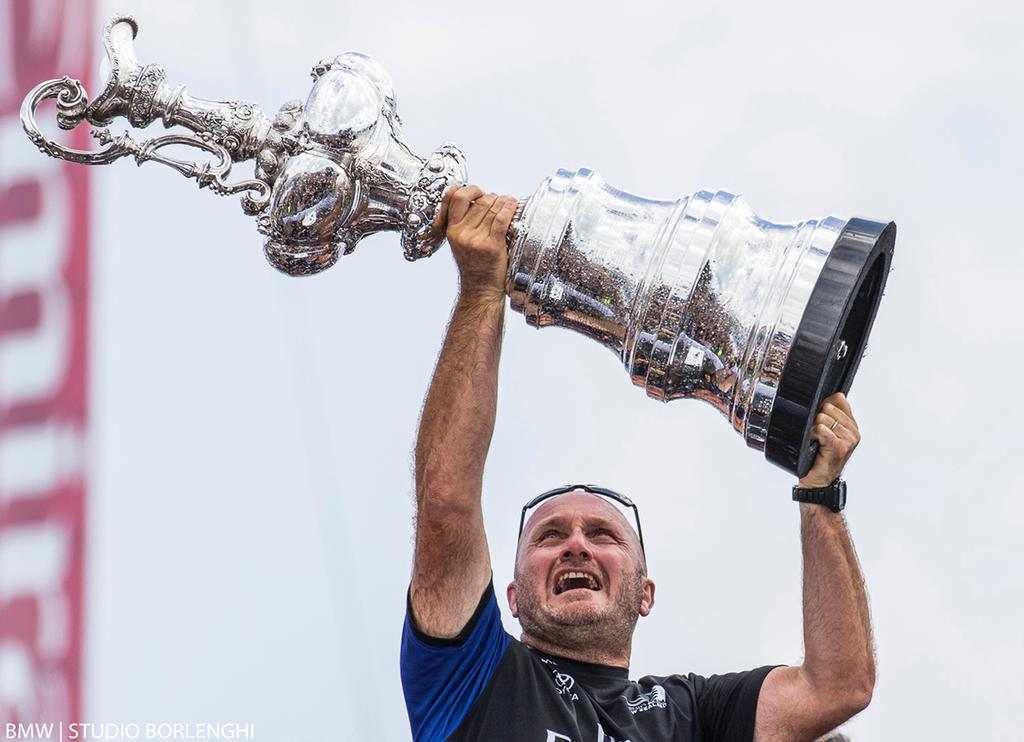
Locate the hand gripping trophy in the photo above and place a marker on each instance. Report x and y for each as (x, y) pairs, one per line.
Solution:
(698, 296)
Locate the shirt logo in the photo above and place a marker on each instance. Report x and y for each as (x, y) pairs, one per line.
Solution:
(563, 680)
(648, 701)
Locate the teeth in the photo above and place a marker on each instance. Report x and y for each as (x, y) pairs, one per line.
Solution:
(591, 582)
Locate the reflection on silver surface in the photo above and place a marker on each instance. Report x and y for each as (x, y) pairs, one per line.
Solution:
(699, 297)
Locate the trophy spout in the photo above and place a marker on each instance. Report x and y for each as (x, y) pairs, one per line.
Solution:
(141, 94)
(120, 70)
(230, 131)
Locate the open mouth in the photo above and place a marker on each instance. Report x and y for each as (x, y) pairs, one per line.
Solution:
(576, 581)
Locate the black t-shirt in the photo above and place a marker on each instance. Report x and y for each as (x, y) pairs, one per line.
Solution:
(486, 685)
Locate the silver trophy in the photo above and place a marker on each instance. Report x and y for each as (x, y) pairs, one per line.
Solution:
(698, 296)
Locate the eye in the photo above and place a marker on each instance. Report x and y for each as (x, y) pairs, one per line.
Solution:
(549, 534)
(604, 534)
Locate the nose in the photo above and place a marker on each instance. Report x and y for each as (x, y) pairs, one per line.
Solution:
(576, 546)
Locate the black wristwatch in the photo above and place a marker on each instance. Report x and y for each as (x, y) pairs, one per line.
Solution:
(833, 497)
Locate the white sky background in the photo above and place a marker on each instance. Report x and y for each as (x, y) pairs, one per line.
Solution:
(250, 506)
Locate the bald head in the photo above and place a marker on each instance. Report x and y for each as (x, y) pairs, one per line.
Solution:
(592, 510)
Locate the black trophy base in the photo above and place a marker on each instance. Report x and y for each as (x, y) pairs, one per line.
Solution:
(830, 340)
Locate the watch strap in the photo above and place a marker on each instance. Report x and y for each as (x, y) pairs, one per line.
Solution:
(833, 497)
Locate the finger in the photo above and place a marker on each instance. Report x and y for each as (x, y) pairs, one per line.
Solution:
(846, 431)
(837, 414)
(503, 219)
(461, 201)
(823, 418)
(842, 432)
(828, 442)
(479, 210)
(492, 212)
(844, 404)
(822, 435)
(839, 400)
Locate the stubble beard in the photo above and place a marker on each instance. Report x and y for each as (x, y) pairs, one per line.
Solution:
(579, 627)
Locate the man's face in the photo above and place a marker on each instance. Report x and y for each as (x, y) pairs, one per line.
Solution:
(580, 576)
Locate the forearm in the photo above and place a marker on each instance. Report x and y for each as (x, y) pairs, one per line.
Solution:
(458, 415)
(452, 566)
(837, 676)
(839, 660)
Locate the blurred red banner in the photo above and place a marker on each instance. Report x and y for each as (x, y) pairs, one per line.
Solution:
(44, 283)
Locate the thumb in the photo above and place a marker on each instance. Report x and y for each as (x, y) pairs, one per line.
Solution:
(441, 219)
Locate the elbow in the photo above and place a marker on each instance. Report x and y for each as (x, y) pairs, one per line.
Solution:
(841, 698)
(439, 495)
(855, 696)
(864, 690)
(859, 699)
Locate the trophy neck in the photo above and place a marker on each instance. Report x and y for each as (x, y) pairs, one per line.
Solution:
(581, 255)
(387, 172)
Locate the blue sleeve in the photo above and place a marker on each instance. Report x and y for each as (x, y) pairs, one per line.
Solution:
(442, 678)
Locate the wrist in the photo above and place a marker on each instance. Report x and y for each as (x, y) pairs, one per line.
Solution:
(813, 482)
(481, 296)
(816, 480)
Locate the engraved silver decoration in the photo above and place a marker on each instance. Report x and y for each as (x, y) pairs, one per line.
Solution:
(328, 173)
(699, 297)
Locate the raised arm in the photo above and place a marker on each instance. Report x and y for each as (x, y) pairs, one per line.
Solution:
(451, 565)
(837, 676)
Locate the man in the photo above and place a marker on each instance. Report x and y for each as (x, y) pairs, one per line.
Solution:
(581, 578)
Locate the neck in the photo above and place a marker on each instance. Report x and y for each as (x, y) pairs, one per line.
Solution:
(597, 655)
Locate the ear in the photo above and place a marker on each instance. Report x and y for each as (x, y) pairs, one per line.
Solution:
(510, 594)
(647, 602)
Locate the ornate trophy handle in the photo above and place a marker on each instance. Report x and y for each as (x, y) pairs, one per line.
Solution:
(327, 173)
(72, 104)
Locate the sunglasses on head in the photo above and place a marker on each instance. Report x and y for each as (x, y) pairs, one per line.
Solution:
(592, 489)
